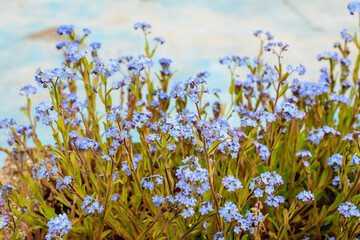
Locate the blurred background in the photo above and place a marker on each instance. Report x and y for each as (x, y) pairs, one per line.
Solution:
(197, 33)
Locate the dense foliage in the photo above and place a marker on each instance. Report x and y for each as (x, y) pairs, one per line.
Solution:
(134, 158)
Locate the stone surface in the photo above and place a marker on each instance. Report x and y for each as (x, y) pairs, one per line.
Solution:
(9, 173)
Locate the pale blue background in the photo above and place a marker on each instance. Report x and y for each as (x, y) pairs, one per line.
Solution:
(197, 33)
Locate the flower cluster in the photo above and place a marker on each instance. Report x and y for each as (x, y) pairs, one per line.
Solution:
(190, 88)
(192, 180)
(125, 167)
(143, 26)
(206, 207)
(58, 227)
(276, 46)
(230, 212)
(47, 77)
(150, 185)
(4, 221)
(5, 211)
(262, 150)
(28, 89)
(238, 60)
(45, 111)
(67, 29)
(63, 183)
(317, 135)
(348, 209)
(90, 205)
(309, 90)
(289, 111)
(304, 154)
(140, 64)
(354, 7)
(266, 182)
(340, 98)
(45, 168)
(86, 143)
(305, 196)
(231, 183)
(335, 160)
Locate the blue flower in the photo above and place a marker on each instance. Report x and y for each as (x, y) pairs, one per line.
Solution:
(115, 144)
(165, 62)
(112, 152)
(306, 163)
(252, 185)
(318, 134)
(28, 89)
(67, 29)
(205, 224)
(345, 61)
(354, 7)
(335, 160)
(90, 205)
(111, 117)
(3, 222)
(106, 157)
(258, 192)
(58, 227)
(348, 209)
(45, 169)
(150, 185)
(231, 183)
(304, 154)
(263, 150)
(188, 212)
(229, 211)
(224, 60)
(300, 69)
(67, 179)
(86, 31)
(111, 131)
(305, 196)
(160, 40)
(95, 45)
(142, 25)
(114, 197)
(86, 143)
(276, 47)
(205, 208)
(269, 189)
(123, 134)
(274, 200)
(269, 117)
(158, 200)
(218, 235)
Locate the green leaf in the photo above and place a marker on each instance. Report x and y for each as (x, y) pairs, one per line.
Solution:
(260, 168)
(232, 86)
(198, 140)
(133, 89)
(214, 146)
(57, 152)
(109, 101)
(147, 47)
(245, 237)
(105, 233)
(283, 90)
(356, 69)
(273, 222)
(337, 202)
(60, 124)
